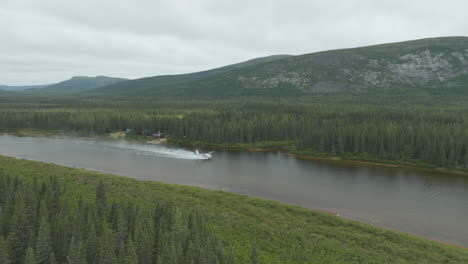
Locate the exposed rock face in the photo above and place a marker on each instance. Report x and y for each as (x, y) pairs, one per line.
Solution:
(328, 73)
(417, 68)
(460, 57)
(292, 78)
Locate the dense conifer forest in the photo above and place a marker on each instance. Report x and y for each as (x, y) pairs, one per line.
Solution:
(40, 224)
(55, 214)
(428, 134)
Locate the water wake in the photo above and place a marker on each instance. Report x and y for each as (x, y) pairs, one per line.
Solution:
(154, 150)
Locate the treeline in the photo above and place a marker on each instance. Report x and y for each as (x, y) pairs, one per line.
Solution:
(40, 223)
(423, 134)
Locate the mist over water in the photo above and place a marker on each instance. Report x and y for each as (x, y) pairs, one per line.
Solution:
(151, 150)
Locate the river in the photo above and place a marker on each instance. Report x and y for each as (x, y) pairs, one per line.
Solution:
(425, 203)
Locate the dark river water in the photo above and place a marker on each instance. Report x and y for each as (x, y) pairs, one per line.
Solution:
(424, 203)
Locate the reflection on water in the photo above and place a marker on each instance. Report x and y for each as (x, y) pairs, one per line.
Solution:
(420, 202)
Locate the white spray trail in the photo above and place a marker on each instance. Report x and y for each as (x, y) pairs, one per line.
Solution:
(154, 150)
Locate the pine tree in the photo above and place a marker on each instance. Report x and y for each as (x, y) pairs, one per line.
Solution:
(144, 243)
(30, 257)
(76, 253)
(43, 211)
(53, 197)
(44, 250)
(231, 259)
(18, 238)
(254, 255)
(4, 257)
(101, 198)
(221, 256)
(91, 246)
(465, 159)
(121, 232)
(382, 152)
(442, 156)
(122, 252)
(130, 253)
(31, 213)
(106, 254)
(168, 255)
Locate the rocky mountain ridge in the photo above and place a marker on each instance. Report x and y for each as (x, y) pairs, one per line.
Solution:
(336, 71)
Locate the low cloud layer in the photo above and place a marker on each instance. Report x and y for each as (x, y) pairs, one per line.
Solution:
(51, 40)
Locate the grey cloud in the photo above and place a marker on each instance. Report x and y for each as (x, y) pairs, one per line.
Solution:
(50, 40)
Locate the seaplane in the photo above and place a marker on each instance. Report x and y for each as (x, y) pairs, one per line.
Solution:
(204, 155)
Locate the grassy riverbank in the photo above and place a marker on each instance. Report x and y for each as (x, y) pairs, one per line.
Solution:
(282, 233)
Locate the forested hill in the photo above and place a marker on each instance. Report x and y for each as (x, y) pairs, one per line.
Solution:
(431, 66)
(22, 88)
(81, 83)
(177, 84)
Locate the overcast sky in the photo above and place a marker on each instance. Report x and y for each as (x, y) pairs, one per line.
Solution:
(46, 41)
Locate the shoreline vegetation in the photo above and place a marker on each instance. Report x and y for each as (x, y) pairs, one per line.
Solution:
(420, 135)
(282, 147)
(281, 233)
(311, 155)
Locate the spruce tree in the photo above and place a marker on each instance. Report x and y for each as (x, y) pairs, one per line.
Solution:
(120, 231)
(18, 238)
(4, 257)
(122, 252)
(76, 253)
(231, 259)
(106, 254)
(130, 253)
(44, 250)
(168, 255)
(92, 246)
(254, 255)
(30, 257)
(465, 159)
(144, 243)
(101, 199)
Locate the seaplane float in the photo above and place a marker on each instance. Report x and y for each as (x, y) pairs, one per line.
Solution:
(204, 155)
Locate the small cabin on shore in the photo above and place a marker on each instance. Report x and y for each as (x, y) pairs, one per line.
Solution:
(130, 131)
(158, 135)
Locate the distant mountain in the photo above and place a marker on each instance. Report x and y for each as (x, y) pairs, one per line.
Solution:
(22, 88)
(428, 63)
(166, 83)
(81, 83)
(436, 65)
